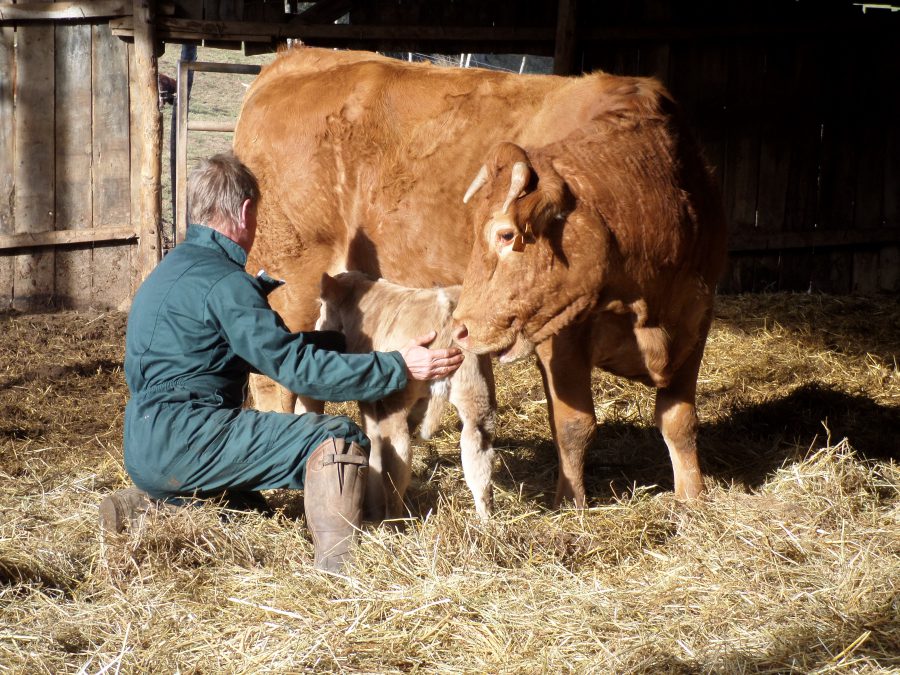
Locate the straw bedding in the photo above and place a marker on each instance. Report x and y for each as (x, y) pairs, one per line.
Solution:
(791, 563)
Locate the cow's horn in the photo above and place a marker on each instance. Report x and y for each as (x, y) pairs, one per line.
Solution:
(517, 183)
(477, 184)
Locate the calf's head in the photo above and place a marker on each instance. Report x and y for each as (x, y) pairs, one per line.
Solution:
(340, 309)
(522, 283)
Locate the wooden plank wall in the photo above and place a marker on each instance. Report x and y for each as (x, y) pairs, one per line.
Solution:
(802, 131)
(112, 159)
(35, 162)
(65, 167)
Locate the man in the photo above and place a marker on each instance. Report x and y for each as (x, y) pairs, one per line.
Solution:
(198, 325)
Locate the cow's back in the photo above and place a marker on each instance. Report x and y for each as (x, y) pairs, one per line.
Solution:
(363, 160)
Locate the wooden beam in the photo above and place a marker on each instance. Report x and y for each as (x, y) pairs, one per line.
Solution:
(539, 40)
(850, 28)
(210, 67)
(145, 107)
(325, 11)
(258, 32)
(208, 125)
(566, 42)
(57, 11)
(64, 237)
(748, 242)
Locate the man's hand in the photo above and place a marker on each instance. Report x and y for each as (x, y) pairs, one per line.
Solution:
(429, 364)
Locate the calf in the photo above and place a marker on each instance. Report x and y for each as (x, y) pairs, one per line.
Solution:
(379, 315)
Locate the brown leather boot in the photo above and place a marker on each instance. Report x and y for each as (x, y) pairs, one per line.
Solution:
(333, 499)
(120, 509)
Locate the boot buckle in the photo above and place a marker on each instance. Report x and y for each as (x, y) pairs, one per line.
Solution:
(344, 459)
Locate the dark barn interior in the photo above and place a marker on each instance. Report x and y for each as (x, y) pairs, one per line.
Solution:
(788, 98)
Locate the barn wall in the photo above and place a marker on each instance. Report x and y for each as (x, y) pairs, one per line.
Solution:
(66, 237)
(802, 129)
(794, 103)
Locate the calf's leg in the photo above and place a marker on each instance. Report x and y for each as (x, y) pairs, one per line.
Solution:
(472, 394)
(396, 459)
(374, 506)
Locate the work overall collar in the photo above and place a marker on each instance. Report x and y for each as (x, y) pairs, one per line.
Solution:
(201, 235)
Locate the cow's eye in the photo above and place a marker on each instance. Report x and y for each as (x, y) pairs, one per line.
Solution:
(506, 236)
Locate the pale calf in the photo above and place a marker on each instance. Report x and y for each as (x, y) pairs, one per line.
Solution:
(382, 316)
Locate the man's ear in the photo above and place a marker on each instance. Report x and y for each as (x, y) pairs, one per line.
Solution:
(247, 212)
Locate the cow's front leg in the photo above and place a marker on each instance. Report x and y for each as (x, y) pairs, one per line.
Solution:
(676, 417)
(565, 367)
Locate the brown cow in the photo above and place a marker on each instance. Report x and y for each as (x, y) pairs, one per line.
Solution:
(598, 231)
(379, 315)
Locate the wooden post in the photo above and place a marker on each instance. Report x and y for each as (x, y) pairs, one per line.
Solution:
(145, 108)
(182, 103)
(564, 54)
(7, 160)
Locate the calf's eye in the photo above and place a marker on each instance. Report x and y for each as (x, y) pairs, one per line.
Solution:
(506, 236)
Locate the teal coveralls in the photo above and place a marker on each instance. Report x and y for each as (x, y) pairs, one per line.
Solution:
(198, 326)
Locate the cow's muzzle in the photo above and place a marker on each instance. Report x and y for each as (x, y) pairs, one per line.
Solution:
(461, 335)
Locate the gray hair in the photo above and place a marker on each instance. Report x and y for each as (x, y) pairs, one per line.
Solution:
(217, 188)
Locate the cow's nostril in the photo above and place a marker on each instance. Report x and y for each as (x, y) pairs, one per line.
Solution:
(461, 333)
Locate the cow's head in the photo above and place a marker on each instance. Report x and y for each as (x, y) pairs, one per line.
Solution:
(520, 285)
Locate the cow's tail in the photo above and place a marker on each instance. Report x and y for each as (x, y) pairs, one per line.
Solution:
(440, 392)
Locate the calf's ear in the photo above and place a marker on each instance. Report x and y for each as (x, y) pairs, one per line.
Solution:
(334, 289)
(328, 287)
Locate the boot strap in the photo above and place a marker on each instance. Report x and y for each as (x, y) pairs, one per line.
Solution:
(344, 459)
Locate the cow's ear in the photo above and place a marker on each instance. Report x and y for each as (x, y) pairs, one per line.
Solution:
(549, 200)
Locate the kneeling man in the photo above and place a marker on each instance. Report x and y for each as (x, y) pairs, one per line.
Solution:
(198, 326)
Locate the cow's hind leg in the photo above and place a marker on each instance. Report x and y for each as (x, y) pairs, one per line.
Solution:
(472, 394)
(267, 395)
(676, 417)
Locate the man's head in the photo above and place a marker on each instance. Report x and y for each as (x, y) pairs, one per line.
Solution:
(222, 193)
